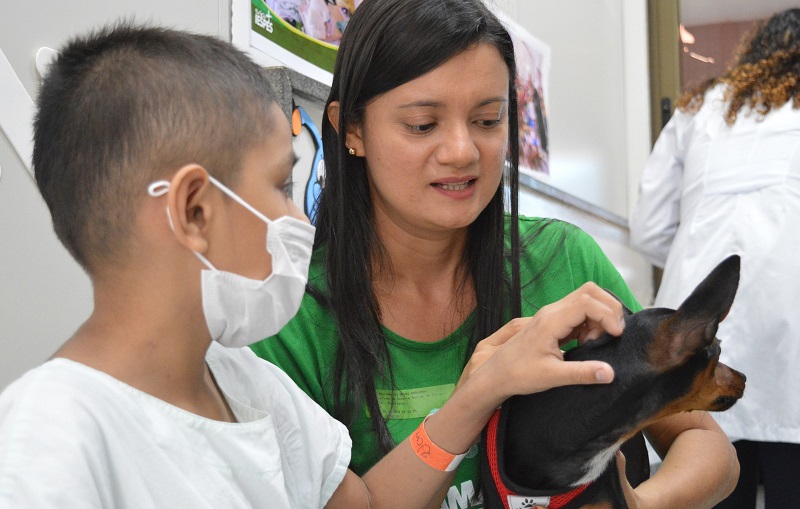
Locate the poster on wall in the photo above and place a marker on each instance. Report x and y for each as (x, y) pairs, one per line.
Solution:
(301, 34)
(533, 69)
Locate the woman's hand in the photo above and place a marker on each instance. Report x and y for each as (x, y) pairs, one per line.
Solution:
(524, 356)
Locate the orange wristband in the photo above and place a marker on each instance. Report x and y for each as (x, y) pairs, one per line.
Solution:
(432, 454)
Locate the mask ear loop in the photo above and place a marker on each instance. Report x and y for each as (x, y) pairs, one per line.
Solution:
(160, 188)
(235, 197)
(157, 189)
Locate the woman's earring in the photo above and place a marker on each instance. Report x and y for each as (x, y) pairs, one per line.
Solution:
(352, 151)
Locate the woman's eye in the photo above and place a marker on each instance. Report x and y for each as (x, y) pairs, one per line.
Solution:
(420, 128)
(490, 123)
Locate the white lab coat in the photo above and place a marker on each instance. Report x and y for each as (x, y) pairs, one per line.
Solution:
(74, 437)
(710, 190)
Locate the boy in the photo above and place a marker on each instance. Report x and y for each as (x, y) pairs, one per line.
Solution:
(165, 163)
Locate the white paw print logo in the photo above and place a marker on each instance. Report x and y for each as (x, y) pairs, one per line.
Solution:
(518, 502)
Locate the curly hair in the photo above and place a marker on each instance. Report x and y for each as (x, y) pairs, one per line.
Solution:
(765, 74)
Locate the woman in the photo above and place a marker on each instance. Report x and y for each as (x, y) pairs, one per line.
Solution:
(415, 258)
(724, 178)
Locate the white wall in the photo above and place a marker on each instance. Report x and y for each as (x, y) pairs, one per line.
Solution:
(598, 109)
(598, 116)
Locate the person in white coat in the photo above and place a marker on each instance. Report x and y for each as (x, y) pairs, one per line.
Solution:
(724, 178)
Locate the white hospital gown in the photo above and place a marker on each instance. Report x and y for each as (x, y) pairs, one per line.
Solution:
(74, 437)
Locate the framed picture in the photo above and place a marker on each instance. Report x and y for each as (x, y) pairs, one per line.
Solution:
(303, 35)
(533, 70)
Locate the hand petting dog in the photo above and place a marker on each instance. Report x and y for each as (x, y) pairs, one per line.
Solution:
(584, 314)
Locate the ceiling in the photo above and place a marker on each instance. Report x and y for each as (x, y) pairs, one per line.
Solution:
(706, 12)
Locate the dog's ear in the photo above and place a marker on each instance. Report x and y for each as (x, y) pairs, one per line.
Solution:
(694, 325)
(714, 295)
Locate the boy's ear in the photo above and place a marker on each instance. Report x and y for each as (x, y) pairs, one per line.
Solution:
(353, 136)
(190, 206)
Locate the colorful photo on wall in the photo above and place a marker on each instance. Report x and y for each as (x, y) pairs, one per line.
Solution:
(301, 34)
(533, 68)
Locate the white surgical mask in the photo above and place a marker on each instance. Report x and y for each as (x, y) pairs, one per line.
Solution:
(240, 311)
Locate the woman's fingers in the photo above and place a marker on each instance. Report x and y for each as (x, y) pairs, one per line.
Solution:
(531, 360)
(487, 347)
(603, 310)
(612, 320)
(551, 371)
(582, 373)
(506, 332)
(583, 314)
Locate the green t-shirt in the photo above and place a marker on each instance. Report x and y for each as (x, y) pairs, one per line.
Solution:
(556, 258)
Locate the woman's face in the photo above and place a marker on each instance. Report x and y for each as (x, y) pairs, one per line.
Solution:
(435, 147)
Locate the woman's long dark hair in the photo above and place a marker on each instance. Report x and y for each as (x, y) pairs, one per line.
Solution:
(765, 75)
(388, 43)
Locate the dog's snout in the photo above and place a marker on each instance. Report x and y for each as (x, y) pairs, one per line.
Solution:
(728, 376)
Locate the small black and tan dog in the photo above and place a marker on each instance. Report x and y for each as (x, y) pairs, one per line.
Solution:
(557, 448)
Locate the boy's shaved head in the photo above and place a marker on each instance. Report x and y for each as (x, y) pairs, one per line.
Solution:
(127, 105)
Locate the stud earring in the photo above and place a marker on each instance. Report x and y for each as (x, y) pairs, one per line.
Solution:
(352, 151)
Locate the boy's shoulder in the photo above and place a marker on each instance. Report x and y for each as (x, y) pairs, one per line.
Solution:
(56, 384)
(55, 411)
(60, 396)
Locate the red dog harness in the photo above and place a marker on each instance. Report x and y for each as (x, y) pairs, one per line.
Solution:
(521, 498)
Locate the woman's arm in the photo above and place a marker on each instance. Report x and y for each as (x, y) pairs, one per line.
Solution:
(526, 359)
(656, 215)
(698, 458)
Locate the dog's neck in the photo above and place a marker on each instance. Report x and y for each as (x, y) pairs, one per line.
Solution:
(566, 449)
(566, 436)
